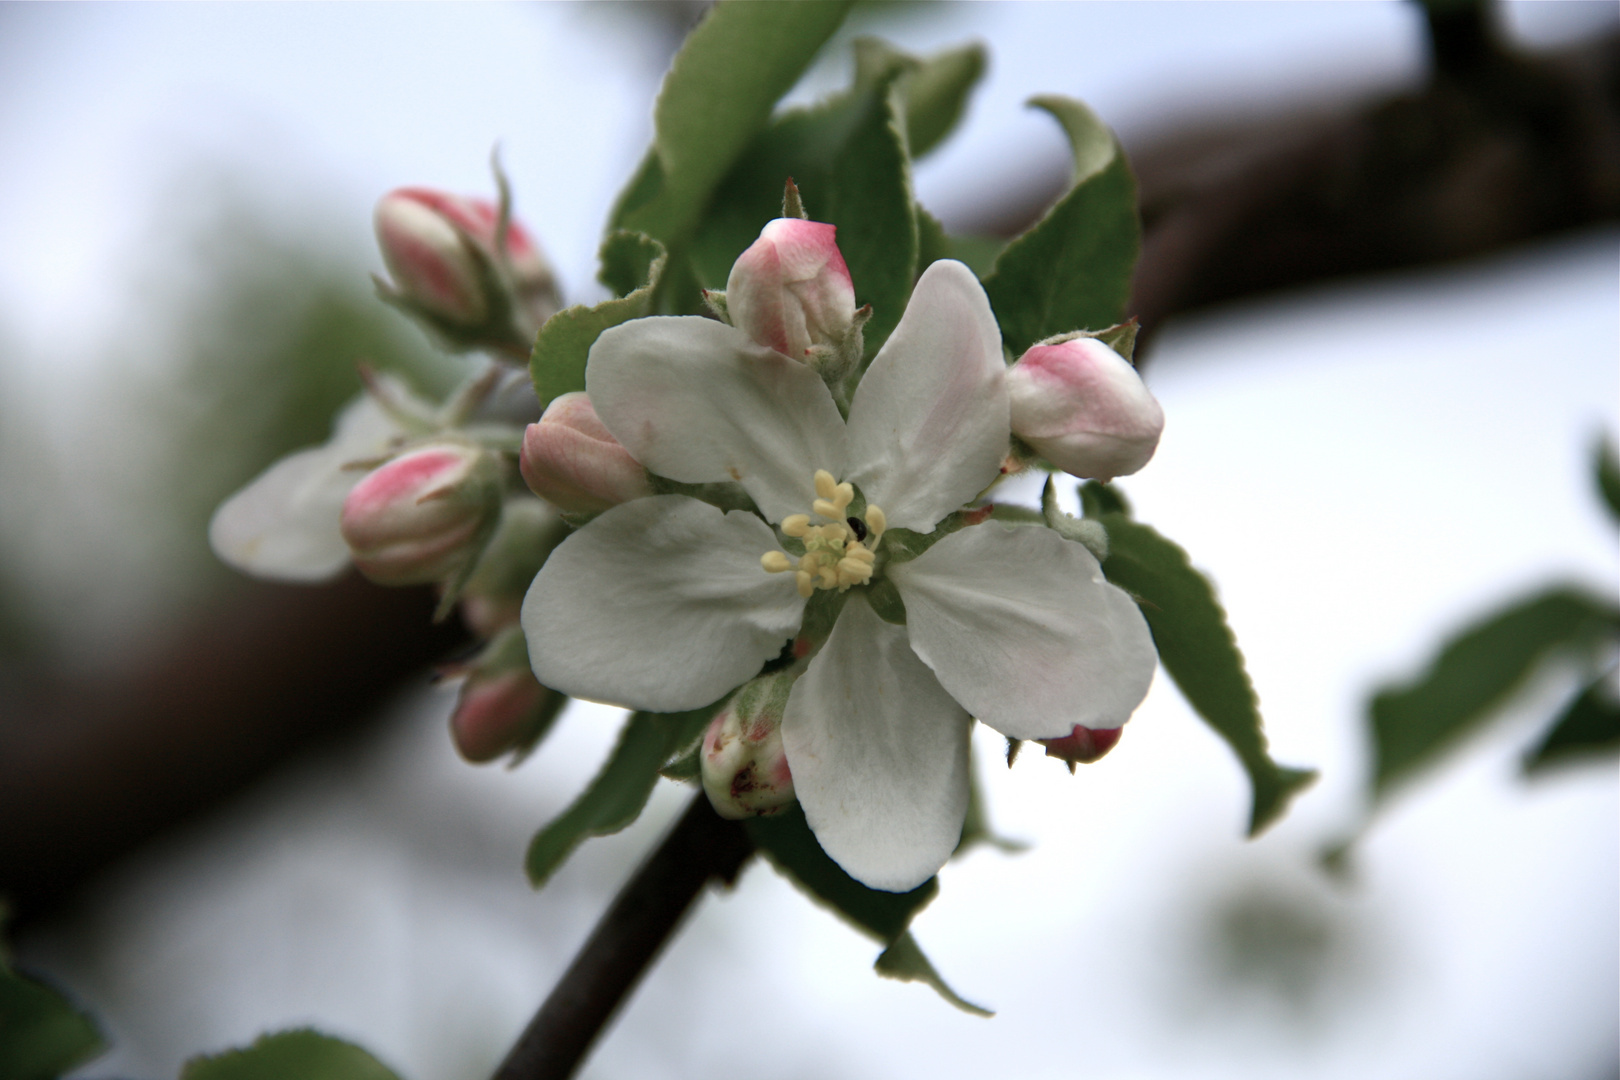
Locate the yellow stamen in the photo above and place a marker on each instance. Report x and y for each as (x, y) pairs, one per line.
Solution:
(775, 562)
(876, 523)
(825, 508)
(826, 485)
(796, 524)
(833, 558)
(807, 584)
(855, 551)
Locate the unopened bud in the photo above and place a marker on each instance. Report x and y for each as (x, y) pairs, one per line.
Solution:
(422, 516)
(1083, 745)
(573, 462)
(745, 769)
(791, 289)
(1082, 406)
(501, 707)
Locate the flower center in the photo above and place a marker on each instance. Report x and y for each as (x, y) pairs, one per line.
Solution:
(836, 555)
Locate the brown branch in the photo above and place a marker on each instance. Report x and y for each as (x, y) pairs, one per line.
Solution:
(702, 847)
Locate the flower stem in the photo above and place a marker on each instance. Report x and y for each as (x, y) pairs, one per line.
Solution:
(703, 846)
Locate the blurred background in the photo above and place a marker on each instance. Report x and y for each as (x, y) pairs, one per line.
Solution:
(1373, 437)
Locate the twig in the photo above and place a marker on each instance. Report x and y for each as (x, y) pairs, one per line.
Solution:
(702, 847)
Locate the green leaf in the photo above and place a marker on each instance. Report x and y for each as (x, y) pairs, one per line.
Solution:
(793, 849)
(563, 345)
(978, 252)
(935, 89)
(1198, 649)
(1475, 671)
(848, 157)
(717, 95)
(905, 961)
(1588, 726)
(302, 1053)
(615, 798)
(1072, 269)
(932, 243)
(41, 1034)
(627, 259)
(1607, 467)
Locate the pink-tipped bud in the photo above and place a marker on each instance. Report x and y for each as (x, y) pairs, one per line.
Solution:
(421, 517)
(573, 462)
(791, 290)
(1083, 745)
(501, 707)
(745, 769)
(1081, 406)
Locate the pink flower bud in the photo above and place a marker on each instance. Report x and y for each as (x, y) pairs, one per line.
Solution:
(791, 290)
(573, 462)
(501, 707)
(423, 515)
(1082, 407)
(1083, 745)
(745, 769)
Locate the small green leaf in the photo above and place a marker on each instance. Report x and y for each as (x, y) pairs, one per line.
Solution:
(1607, 467)
(301, 1053)
(932, 243)
(627, 259)
(649, 743)
(563, 345)
(41, 1034)
(717, 95)
(1475, 671)
(792, 848)
(1588, 726)
(935, 88)
(1198, 649)
(905, 961)
(979, 253)
(1072, 269)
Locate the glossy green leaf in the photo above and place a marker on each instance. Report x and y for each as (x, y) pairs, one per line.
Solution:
(1072, 269)
(792, 848)
(1197, 649)
(1607, 468)
(301, 1053)
(718, 95)
(41, 1034)
(563, 345)
(1589, 726)
(615, 798)
(1474, 672)
(905, 961)
(848, 157)
(935, 88)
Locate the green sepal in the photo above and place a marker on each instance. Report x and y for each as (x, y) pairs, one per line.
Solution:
(302, 1053)
(1588, 726)
(847, 155)
(627, 259)
(1072, 269)
(619, 792)
(41, 1034)
(715, 98)
(1475, 671)
(1197, 648)
(886, 601)
(904, 960)
(563, 345)
(1121, 338)
(935, 88)
(1606, 467)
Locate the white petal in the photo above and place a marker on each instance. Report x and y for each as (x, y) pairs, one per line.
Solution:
(928, 427)
(879, 754)
(284, 525)
(659, 603)
(697, 401)
(1021, 627)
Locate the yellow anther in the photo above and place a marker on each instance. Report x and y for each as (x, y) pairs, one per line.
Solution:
(809, 561)
(856, 551)
(852, 570)
(845, 496)
(807, 584)
(775, 562)
(825, 508)
(876, 522)
(796, 524)
(829, 577)
(826, 484)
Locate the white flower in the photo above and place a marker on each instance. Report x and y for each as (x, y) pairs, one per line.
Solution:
(666, 603)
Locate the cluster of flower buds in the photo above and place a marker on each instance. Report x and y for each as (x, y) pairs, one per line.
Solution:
(465, 270)
(501, 707)
(745, 769)
(1082, 406)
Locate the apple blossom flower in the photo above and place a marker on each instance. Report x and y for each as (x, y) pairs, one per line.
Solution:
(573, 462)
(667, 603)
(1082, 406)
(424, 515)
(745, 769)
(791, 290)
(283, 526)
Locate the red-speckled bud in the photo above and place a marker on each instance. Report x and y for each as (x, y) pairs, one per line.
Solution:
(573, 462)
(1083, 745)
(745, 769)
(1081, 406)
(422, 516)
(791, 289)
